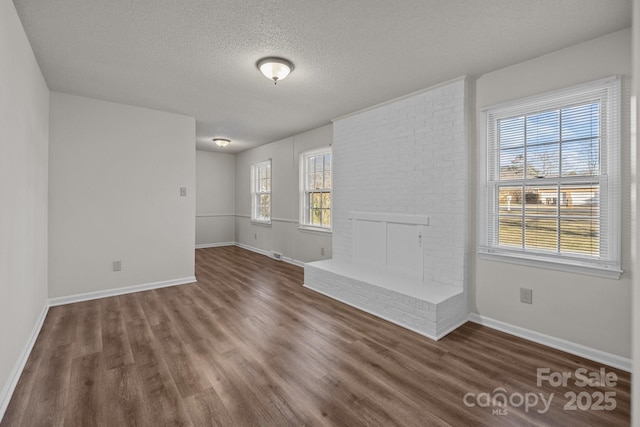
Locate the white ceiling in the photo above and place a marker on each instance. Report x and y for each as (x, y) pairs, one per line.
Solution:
(197, 57)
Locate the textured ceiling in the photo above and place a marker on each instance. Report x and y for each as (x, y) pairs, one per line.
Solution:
(197, 57)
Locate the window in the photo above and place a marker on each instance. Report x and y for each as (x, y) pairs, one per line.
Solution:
(261, 191)
(315, 179)
(553, 180)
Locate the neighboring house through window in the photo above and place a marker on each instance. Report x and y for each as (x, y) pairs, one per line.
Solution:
(552, 190)
(315, 185)
(261, 191)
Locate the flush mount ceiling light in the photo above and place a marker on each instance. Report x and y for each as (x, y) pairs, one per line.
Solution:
(275, 68)
(221, 142)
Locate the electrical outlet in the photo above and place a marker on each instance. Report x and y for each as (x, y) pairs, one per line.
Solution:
(526, 296)
(322, 251)
(255, 236)
(183, 191)
(117, 265)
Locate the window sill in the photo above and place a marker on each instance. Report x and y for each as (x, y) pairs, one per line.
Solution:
(568, 266)
(262, 223)
(318, 230)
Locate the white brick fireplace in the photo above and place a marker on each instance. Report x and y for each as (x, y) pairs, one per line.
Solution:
(400, 211)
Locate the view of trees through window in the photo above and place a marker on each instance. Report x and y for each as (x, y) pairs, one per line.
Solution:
(548, 191)
(317, 193)
(262, 191)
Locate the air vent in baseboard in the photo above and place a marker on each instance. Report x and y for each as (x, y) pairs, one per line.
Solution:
(276, 255)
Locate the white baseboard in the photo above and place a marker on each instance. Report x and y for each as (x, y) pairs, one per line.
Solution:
(14, 376)
(553, 342)
(267, 253)
(252, 249)
(119, 291)
(214, 245)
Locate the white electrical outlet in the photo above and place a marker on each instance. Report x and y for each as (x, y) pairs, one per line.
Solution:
(183, 191)
(526, 296)
(117, 265)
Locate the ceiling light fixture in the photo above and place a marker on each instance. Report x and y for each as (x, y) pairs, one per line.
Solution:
(221, 142)
(275, 68)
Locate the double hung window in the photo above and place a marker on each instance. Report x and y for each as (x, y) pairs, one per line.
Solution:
(552, 191)
(261, 191)
(315, 209)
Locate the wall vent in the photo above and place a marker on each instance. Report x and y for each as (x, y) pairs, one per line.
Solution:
(276, 255)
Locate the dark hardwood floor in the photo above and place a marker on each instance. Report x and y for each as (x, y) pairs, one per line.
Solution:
(247, 345)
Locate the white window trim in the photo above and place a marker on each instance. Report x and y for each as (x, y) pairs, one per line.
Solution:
(611, 158)
(303, 224)
(254, 206)
(312, 229)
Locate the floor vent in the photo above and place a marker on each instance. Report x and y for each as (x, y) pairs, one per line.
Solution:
(276, 255)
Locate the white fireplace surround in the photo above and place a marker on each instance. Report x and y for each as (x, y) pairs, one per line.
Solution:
(386, 276)
(400, 210)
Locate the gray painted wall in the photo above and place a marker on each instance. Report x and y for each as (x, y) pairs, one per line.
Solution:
(24, 142)
(587, 310)
(635, 391)
(283, 235)
(215, 198)
(114, 195)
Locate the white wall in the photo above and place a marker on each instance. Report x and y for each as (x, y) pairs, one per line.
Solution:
(215, 198)
(282, 235)
(587, 310)
(115, 174)
(635, 389)
(24, 140)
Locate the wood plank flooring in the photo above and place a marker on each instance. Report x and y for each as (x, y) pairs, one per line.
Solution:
(247, 345)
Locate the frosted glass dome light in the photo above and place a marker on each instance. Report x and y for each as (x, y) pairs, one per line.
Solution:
(221, 142)
(275, 68)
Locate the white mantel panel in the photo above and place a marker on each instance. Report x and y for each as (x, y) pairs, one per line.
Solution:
(370, 243)
(404, 249)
